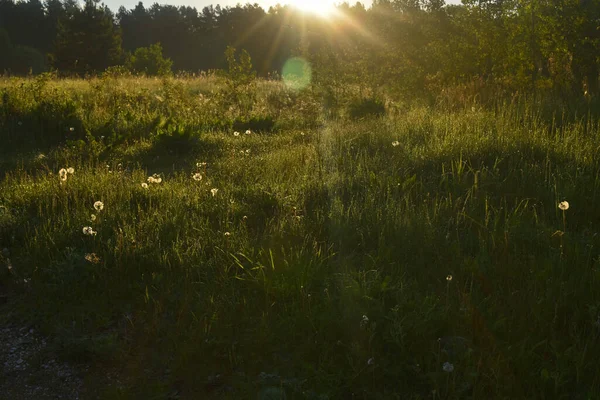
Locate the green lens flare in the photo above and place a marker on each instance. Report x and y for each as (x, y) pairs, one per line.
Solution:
(296, 73)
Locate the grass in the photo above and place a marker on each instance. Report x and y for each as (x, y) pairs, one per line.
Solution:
(329, 264)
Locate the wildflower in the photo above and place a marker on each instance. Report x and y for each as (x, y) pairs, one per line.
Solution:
(93, 217)
(244, 218)
(371, 361)
(449, 278)
(563, 205)
(447, 367)
(62, 173)
(227, 234)
(99, 206)
(236, 133)
(214, 191)
(197, 177)
(92, 257)
(88, 231)
(71, 170)
(144, 185)
(395, 143)
(248, 132)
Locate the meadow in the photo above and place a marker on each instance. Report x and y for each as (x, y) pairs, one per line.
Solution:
(209, 239)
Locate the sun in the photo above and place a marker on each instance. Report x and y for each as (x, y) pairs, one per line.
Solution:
(324, 8)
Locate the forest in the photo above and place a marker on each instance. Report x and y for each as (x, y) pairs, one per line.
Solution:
(412, 46)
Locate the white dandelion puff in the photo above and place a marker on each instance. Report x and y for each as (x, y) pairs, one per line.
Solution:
(93, 217)
(395, 143)
(197, 177)
(88, 231)
(236, 133)
(62, 173)
(447, 367)
(144, 185)
(214, 191)
(449, 278)
(71, 170)
(227, 234)
(248, 132)
(563, 205)
(99, 206)
(71, 129)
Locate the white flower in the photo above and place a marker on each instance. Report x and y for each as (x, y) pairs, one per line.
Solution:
(236, 133)
(447, 367)
(449, 278)
(395, 143)
(93, 217)
(214, 191)
(99, 206)
(71, 170)
(62, 173)
(88, 231)
(71, 129)
(248, 132)
(144, 185)
(197, 176)
(227, 234)
(563, 205)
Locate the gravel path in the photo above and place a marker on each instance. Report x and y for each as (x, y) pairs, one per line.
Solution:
(29, 370)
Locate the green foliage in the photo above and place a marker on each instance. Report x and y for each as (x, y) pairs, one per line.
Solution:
(149, 61)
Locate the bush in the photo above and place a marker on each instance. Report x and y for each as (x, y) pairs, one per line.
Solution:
(149, 61)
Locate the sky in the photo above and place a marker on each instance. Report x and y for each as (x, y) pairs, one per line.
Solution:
(199, 4)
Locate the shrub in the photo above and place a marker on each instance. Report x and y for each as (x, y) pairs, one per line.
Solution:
(149, 61)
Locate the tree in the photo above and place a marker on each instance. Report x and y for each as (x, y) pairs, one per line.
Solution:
(88, 41)
(150, 61)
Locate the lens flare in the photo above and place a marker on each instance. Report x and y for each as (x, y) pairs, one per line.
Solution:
(296, 73)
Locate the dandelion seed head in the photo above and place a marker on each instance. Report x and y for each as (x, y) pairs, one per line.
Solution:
(236, 133)
(447, 367)
(395, 143)
(71, 129)
(62, 173)
(563, 205)
(248, 132)
(99, 206)
(71, 170)
(93, 217)
(144, 185)
(88, 231)
(449, 278)
(197, 177)
(227, 234)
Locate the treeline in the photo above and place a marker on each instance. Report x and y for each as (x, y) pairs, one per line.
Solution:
(411, 45)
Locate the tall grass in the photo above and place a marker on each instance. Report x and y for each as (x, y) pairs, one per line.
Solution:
(329, 264)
